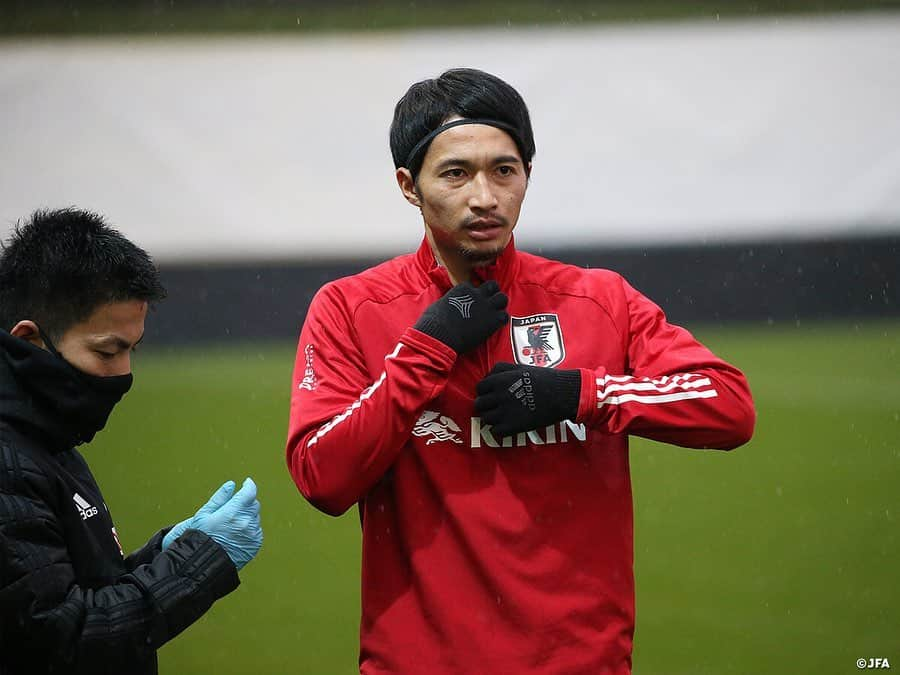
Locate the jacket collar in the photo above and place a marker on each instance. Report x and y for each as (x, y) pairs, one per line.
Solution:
(22, 410)
(503, 270)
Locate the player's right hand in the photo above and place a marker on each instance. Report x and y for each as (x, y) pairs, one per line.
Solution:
(465, 316)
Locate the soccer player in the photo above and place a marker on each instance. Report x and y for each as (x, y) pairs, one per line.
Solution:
(475, 401)
(73, 298)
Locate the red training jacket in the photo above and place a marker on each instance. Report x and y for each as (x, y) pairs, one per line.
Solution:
(484, 554)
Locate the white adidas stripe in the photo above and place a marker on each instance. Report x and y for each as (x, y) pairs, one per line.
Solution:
(665, 389)
(642, 385)
(665, 379)
(78, 499)
(657, 398)
(367, 393)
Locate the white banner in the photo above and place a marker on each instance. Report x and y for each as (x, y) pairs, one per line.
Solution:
(276, 148)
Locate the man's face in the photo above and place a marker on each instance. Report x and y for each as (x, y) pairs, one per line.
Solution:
(470, 190)
(102, 344)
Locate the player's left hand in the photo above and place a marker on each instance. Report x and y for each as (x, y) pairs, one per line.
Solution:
(220, 498)
(514, 398)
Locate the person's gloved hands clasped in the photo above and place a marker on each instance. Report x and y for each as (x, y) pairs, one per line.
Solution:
(465, 316)
(229, 519)
(514, 398)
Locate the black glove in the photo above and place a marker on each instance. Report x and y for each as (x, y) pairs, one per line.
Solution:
(521, 398)
(466, 316)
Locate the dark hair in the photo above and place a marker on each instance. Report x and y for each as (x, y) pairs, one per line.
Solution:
(466, 92)
(61, 265)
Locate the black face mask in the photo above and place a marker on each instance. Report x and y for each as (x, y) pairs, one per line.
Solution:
(79, 401)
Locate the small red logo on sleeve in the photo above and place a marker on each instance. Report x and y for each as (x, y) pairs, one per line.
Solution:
(118, 543)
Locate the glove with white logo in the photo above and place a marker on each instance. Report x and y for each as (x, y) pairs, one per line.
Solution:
(231, 520)
(515, 398)
(465, 316)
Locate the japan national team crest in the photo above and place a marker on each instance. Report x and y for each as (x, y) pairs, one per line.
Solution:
(537, 340)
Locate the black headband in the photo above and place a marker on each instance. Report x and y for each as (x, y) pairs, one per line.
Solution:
(418, 147)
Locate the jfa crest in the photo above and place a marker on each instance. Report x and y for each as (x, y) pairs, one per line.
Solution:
(537, 340)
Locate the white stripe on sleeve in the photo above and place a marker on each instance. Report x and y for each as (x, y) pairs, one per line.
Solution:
(367, 393)
(618, 389)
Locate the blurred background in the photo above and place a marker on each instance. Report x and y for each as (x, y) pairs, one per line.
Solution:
(738, 162)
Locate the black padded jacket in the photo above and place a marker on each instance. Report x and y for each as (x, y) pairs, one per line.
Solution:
(70, 601)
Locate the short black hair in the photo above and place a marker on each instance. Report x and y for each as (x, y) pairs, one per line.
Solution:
(61, 265)
(466, 92)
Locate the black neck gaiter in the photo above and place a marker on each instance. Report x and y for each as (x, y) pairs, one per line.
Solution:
(80, 403)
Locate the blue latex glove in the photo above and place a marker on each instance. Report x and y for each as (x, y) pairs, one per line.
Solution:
(219, 498)
(232, 521)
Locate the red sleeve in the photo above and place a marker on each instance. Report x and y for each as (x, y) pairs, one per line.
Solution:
(675, 390)
(346, 427)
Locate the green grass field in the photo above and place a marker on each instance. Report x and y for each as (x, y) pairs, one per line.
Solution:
(781, 557)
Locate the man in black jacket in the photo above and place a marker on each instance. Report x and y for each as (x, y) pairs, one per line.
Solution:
(73, 298)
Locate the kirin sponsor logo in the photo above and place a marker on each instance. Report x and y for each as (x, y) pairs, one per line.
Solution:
(437, 428)
(482, 435)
